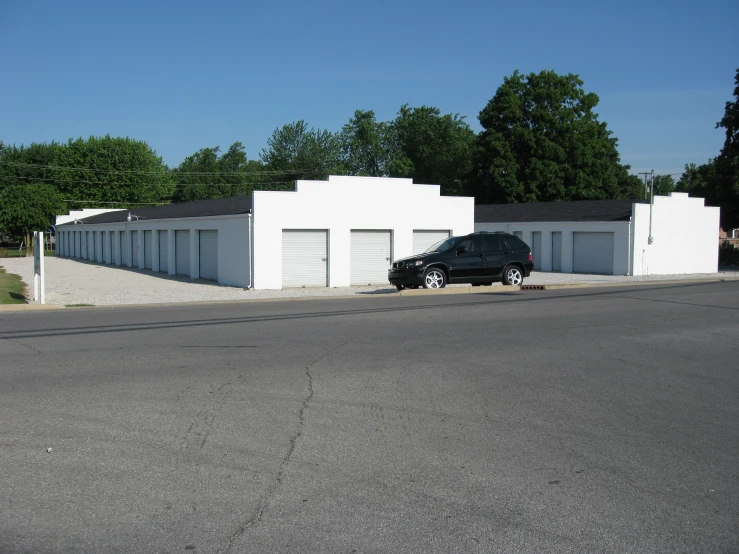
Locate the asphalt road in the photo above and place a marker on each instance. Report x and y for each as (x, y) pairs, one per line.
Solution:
(588, 420)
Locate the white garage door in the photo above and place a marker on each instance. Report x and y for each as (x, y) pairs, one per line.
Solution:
(163, 251)
(122, 252)
(182, 252)
(422, 240)
(209, 255)
(536, 249)
(557, 251)
(593, 253)
(106, 247)
(77, 244)
(370, 257)
(134, 249)
(304, 258)
(147, 249)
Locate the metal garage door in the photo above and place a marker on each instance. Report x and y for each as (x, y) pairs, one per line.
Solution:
(536, 249)
(77, 244)
(106, 247)
(122, 256)
(110, 245)
(134, 249)
(148, 249)
(593, 253)
(557, 251)
(182, 252)
(422, 240)
(370, 257)
(304, 258)
(209, 255)
(164, 251)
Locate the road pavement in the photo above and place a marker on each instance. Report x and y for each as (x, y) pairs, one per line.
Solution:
(585, 420)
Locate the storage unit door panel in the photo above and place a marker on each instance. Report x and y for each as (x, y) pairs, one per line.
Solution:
(122, 248)
(182, 252)
(106, 246)
(163, 251)
(370, 257)
(148, 249)
(209, 255)
(593, 253)
(77, 244)
(536, 249)
(557, 251)
(422, 240)
(304, 258)
(135, 248)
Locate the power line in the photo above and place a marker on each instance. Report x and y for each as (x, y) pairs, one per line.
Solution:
(83, 181)
(143, 172)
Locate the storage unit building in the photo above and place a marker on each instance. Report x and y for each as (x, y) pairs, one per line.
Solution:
(338, 232)
(612, 237)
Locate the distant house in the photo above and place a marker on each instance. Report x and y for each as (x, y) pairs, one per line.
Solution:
(729, 238)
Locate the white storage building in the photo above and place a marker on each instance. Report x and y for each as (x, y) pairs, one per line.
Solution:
(340, 232)
(612, 237)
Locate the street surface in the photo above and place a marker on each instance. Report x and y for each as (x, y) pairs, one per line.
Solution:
(584, 420)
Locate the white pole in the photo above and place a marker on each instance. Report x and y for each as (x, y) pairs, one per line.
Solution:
(35, 266)
(42, 255)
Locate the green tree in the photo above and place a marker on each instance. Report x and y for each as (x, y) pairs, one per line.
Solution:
(726, 183)
(91, 171)
(365, 145)
(296, 152)
(663, 185)
(542, 141)
(206, 174)
(430, 148)
(28, 208)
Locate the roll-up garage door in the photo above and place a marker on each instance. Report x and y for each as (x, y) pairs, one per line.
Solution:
(164, 251)
(182, 252)
(134, 249)
(593, 253)
(106, 246)
(110, 245)
(147, 249)
(557, 251)
(423, 240)
(209, 255)
(77, 244)
(536, 249)
(370, 257)
(304, 258)
(122, 256)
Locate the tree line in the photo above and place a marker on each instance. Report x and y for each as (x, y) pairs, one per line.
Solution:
(541, 141)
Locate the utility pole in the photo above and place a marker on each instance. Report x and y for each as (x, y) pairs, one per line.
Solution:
(646, 186)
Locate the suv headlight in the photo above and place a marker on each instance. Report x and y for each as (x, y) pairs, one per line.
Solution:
(415, 263)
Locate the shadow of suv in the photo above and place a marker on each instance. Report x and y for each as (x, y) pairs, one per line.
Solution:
(478, 259)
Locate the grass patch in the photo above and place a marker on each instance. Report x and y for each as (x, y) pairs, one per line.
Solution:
(15, 253)
(12, 289)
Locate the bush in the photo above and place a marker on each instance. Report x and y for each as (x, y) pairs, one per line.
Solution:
(728, 258)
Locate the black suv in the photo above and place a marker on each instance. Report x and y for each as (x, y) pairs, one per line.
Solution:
(478, 259)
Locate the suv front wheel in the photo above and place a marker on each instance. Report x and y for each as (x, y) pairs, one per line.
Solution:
(434, 278)
(512, 275)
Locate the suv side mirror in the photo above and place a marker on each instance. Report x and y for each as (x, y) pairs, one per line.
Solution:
(461, 250)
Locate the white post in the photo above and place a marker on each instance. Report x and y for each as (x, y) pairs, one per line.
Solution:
(38, 267)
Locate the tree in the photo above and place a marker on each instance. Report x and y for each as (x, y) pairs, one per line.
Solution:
(205, 174)
(91, 171)
(543, 142)
(365, 145)
(726, 184)
(663, 185)
(28, 208)
(296, 152)
(430, 148)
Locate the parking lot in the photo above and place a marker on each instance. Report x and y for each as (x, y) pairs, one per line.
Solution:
(75, 282)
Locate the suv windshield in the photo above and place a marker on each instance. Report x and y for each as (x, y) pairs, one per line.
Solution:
(443, 245)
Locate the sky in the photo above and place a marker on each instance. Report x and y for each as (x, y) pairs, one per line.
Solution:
(188, 75)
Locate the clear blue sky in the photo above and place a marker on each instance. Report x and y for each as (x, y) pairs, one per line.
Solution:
(185, 75)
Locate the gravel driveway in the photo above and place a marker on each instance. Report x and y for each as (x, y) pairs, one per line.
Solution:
(81, 282)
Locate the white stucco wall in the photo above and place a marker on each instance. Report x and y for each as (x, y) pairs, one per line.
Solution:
(234, 259)
(342, 204)
(620, 230)
(684, 232)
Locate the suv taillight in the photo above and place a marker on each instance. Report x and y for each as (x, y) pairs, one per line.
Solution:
(531, 258)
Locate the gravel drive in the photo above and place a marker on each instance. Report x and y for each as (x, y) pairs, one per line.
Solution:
(82, 282)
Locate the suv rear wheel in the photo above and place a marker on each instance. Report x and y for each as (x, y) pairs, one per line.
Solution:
(512, 275)
(434, 278)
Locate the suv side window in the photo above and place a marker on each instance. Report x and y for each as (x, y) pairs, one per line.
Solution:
(467, 243)
(516, 243)
(492, 243)
(478, 243)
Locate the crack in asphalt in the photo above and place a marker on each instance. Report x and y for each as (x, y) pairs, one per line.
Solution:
(19, 342)
(264, 500)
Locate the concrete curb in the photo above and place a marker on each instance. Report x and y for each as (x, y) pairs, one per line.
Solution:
(500, 289)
